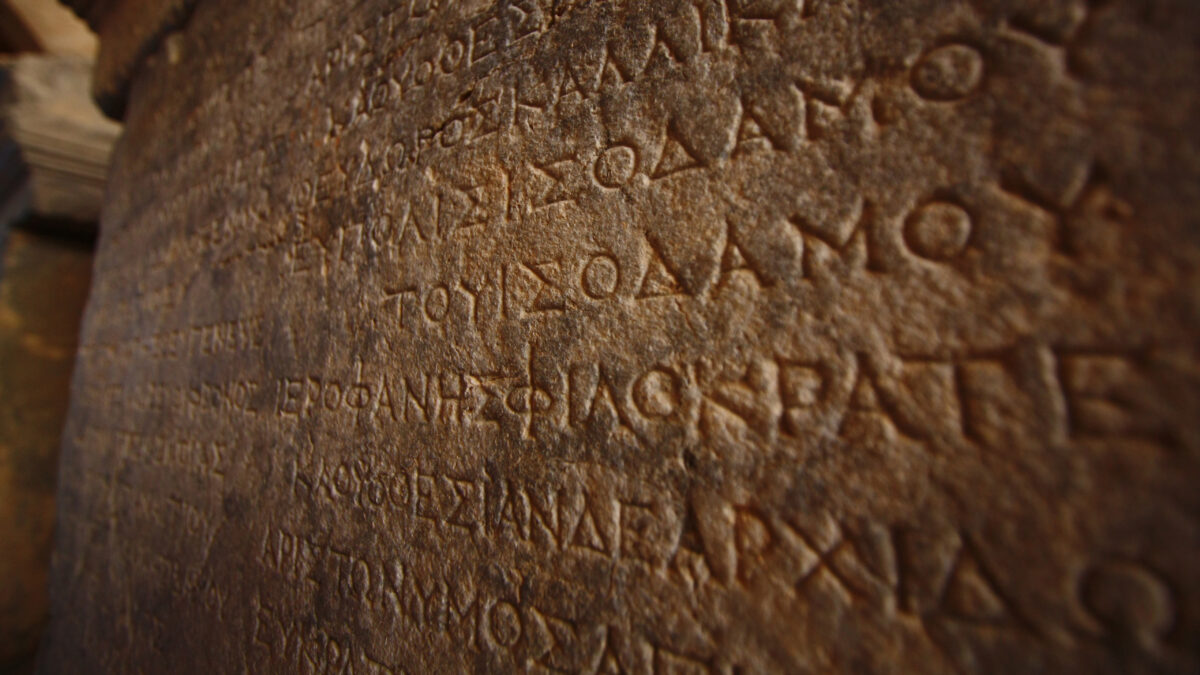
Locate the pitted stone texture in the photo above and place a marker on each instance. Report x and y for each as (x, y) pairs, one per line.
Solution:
(709, 335)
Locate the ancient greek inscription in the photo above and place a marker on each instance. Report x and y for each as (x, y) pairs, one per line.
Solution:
(690, 336)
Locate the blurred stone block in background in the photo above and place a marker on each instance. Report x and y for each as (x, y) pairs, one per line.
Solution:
(45, 26)
(54, 142)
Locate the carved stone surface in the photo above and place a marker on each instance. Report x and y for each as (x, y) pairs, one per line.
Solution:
(688, 336)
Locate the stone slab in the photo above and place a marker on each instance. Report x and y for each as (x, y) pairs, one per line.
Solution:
(697, 336)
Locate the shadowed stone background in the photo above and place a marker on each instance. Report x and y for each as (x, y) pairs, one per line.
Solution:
(689, 336)
(43, 285)
(55, 148)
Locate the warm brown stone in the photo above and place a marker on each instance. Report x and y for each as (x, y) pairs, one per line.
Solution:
(43, 285)
(701, 335)
(129, 30)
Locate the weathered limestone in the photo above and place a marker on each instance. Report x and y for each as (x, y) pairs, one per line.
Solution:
(690, 336)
